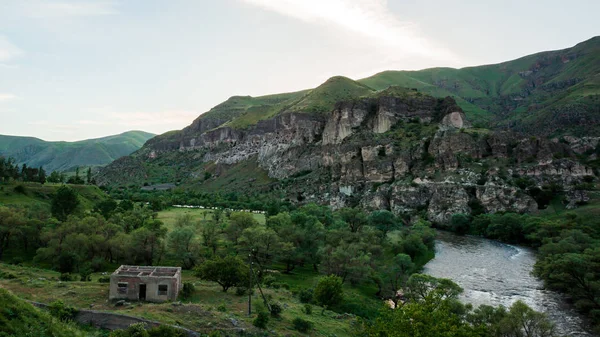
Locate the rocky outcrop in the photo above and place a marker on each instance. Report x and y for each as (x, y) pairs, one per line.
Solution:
(410, 154)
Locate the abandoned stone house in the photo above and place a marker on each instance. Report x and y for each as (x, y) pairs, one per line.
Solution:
(145, 283)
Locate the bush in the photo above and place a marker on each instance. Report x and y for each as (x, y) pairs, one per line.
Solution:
(241, 291)
(329, 291)
(85, 273)
(276, 309)
(302, 325)
(306, 295)
(65, 277)
(261, 320)
(269, 280)
(62, 311)
(134, 330)
(187, 291)
(104, 279)
(307, 309)
(20, 189)
(7, 275)
(166, 331)
(222, 308)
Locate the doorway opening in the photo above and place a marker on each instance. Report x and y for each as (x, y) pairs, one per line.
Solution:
(142, 296)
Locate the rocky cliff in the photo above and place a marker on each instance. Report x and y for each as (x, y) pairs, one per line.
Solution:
(396, 149)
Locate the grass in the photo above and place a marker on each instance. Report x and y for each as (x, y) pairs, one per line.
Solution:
(89, 195)
(19, 318)
(242, 176)
(169, 216)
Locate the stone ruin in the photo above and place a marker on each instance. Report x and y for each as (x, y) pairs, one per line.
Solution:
(145, 283)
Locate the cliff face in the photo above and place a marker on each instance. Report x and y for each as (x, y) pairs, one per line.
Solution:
(410, 154)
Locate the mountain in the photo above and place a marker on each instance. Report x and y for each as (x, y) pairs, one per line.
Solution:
(63, 156)
(550, 93)
(436, 142)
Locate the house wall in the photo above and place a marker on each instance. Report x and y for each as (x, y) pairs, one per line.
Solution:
(152, 283)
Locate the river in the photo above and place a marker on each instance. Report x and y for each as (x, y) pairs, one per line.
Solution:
(494, 273)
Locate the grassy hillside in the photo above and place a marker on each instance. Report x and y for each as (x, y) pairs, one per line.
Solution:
(32, 193)
(19, 318)
(551, 92)
(63, 156)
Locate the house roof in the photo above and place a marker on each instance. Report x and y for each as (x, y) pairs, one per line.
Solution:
(147, 271)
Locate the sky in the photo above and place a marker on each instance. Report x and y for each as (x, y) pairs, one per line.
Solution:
(78, 69)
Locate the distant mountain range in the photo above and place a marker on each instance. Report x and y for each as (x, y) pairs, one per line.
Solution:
(65, 156)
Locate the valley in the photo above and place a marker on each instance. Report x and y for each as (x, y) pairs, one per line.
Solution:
(321, 205)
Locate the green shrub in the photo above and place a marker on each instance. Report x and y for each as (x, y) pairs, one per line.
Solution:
(62, 311)
(8, 276)
(104, 279)
(302, 325)
(306, 295)
(307, 309)
(261, 320)
(276, 309)
(269, 280)
(166, 331)
(241, 291)
(187, 291)
(85, 273)
(134, 330)
(222, 308)
(65, 277)
(20, 189)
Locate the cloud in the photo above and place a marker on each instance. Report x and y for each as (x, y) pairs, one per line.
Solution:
(6, 97)
(371, 19)
(8, 51)
(43, 9)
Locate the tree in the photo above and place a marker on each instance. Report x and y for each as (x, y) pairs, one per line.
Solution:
(238, 221)
(147, 241)
(347, 261)
(384, 220)
(89, 176)
(210, 236)
(522, 321)
(228, 272)
(76, 179)
(459, 223)
(41, 175)
(262, 243)
(106, 207)
(54, 177)
(396, 274)
(353, 217)
(181, 246)
(421, 287)
(329, 292)
(11, 222)
(64, 202)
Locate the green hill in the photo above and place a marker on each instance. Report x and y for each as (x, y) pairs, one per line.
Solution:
(63, 156)
(19, 318)
(549, 92)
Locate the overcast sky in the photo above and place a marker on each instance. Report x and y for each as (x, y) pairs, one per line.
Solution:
(75, 69)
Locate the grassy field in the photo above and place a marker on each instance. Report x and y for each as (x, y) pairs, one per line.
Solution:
(170, 215)
(207, 309)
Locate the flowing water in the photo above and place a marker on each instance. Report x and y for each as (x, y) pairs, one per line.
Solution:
(494, 273)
